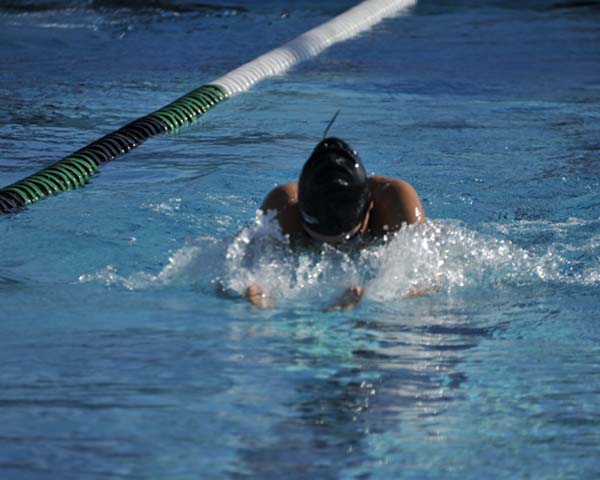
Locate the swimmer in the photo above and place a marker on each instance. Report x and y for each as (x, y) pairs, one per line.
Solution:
(336, 203)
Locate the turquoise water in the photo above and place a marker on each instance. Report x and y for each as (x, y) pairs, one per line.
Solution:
(127, 351)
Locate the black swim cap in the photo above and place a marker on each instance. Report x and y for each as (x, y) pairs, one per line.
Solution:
(333, 192)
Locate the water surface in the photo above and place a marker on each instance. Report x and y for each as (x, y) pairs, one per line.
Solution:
(127, 350)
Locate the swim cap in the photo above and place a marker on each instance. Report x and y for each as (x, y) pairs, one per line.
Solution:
(332, 191)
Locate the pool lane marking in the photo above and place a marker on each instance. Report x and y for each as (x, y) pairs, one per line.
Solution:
(75, 170)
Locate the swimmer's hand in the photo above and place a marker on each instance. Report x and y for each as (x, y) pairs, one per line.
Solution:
(349, 299)
(258, 297)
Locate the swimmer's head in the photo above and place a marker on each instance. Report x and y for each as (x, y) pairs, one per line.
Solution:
(333, 191)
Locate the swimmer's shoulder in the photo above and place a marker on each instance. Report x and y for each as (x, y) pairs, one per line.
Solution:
(395, 202)
(281, 196)
(284, 200)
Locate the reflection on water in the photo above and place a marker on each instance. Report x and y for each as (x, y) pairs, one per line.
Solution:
(356, 380)
(320, 394)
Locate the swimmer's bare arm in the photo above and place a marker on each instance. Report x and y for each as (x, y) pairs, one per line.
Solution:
(395, 202)
(284, 200)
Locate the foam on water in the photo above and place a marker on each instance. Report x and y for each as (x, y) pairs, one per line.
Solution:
(440, 257)
(184, 267)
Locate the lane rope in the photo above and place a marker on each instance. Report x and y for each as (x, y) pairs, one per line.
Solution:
(75, 170)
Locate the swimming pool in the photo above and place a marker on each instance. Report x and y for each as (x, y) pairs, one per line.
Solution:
(127, 351)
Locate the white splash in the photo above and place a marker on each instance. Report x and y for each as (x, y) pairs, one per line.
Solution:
(183, 267)
(433, 257)
(261, 255)
(437, 257)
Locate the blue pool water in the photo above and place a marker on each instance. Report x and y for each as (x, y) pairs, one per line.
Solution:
(126, 350)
